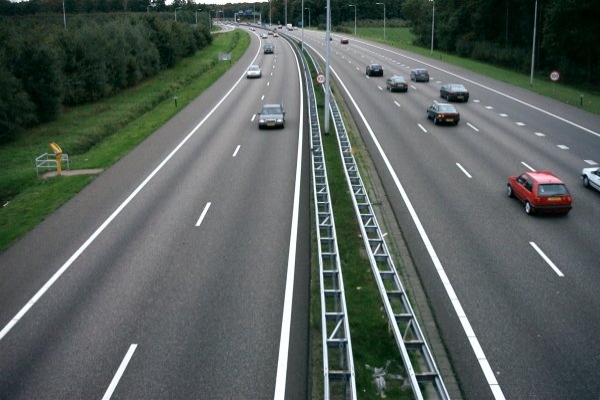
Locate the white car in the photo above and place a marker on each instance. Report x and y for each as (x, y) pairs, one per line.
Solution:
(591, 177)
(264, 35)
(253, 71)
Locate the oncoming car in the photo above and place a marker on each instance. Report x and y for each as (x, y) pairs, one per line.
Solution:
(540, 191)
(396, 84)
(443, 113)
(253, 71)
(374, 69)
(454, 91)
(271, 116)
(591, 177)
(344, 41)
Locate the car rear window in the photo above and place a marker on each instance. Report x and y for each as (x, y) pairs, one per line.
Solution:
(447, 109)
(552, 189)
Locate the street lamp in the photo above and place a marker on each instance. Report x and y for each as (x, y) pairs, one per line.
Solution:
(383, 4)
(354, 5)
(64, 15)
(197, 15)
(308, 16)
(533, 47)
(432, 22)
(178, 8)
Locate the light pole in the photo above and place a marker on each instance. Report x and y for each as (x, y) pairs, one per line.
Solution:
(354, 5)
(178, 8)
(197, 16)
(432, 22)
(533, 47)
(383, 4)
(64, 15)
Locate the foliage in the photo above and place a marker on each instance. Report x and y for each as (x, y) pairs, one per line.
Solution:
(46, 67)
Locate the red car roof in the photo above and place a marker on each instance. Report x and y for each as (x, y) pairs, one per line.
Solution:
(544, 177)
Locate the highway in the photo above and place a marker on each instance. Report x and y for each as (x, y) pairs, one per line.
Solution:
(180, 272)
(515, 296)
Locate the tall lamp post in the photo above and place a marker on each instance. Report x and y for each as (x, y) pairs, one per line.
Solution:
(308, 16)
(432, 22)
(383, 4)
(178, 8)
(354, 5)
(64, 15)
(533, 47)
(199, 9)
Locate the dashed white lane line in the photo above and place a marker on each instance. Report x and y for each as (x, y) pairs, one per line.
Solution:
(472, 127)
(206, 207)
(527, 166)
(120, 372)
(591, 162)
(422, 128)
(545, 257)
(463, 170)
(540, 134)
(562, 146)
(236, 150)
(520, 123)
(396, 103)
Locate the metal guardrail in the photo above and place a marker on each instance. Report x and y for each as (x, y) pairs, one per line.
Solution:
(338, 362)
(48, 161)
(422, 371)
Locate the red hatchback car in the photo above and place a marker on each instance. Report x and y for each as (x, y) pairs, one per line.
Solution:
(540, 191)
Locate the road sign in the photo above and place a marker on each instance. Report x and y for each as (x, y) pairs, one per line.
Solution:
(321, 78)
(554, 76)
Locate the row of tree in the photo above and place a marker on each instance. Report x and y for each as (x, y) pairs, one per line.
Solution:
(44, 66)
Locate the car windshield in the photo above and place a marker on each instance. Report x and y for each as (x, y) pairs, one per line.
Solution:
(375, 66)
(552, 189)
(421, 72)
(271, 110)
(253, 68)
(458, 88)
(446, 108)
(398, 80)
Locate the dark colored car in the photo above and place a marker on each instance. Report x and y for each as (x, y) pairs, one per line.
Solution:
(454, 91)
(540, 191)
(419, 75)
(443, 113)
(344, 41)
(271, 116)
(374, 69)
(396, 84)
(268, 48)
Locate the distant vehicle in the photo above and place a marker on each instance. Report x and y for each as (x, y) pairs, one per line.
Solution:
(396, 84)
(344, 41)
(253, 71)
(591, 177)
(275, 34)
(374, 69)
(443, 113)
(264, 35)
(271, 116)
(540, 191)
(268, 48)
(454, 91)
(419, 75)
(289, 27)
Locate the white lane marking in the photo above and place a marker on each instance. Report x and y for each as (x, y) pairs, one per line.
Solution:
(253, 118)
(591, 162)
(396, 103)
(120, 372)
(545, 257)
(422, 128)
(286, 320)
(262, 97)
(413, 87)
(520, 123)
(236, 150)
(472, 127)
(268, 83)
(380, 88)
(463, 170)
(562, 147)
(476, 101)
(527, 166)
(206, 207)
(115, 213)
(483, 363)
(540, 134)
(489, 107)
(503, 115)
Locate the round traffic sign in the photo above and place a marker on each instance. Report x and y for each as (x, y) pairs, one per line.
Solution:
(554, 76)
(321, 78)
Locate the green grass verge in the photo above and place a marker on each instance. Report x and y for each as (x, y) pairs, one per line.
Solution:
(97, 135)
(403, 39)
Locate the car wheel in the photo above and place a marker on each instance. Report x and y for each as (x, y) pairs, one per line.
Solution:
(435, 120)
(509, 191)
(528, 208)
(586, 181)
(441, 95)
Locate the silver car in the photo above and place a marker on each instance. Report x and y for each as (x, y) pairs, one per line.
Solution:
(271, 116)
(253, 71)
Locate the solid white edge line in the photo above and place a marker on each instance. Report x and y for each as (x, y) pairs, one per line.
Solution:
(463, 170)
(206, 207)
(115, 213)
(286, 321)
(120, 372)
(483, 363)
(545, 257)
